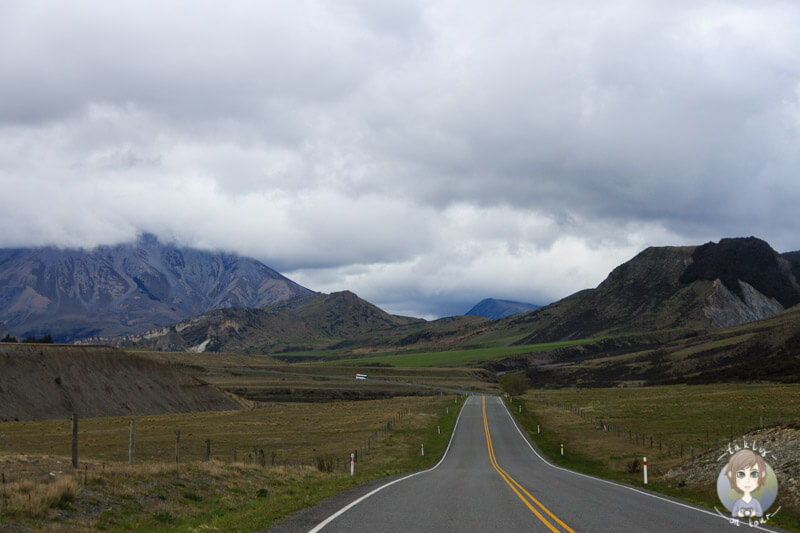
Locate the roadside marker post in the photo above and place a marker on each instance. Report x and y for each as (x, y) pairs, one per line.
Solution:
(422, 449)
(645, 470)
(562, 450)
(352, 465)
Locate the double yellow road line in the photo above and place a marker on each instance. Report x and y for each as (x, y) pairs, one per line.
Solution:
(518, 489)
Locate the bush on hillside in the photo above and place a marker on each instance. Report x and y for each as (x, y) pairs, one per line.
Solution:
(514, 383)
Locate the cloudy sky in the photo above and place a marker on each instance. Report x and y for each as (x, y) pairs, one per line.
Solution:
(424, 154)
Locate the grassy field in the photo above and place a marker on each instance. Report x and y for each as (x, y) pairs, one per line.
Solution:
(456, 357)
(683, 419)
(263, 378)
(156, 494)
(693, 414)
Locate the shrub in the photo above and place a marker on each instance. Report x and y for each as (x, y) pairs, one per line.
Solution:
(514, 383)
(325, 463)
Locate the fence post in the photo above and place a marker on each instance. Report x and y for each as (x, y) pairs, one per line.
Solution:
(645, 470)
(177, 445)
(208, 449)
(74, 442)
(131, 441)
(234, 454)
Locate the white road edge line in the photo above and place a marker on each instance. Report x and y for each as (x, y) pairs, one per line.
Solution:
(352, 504)
(548, 463)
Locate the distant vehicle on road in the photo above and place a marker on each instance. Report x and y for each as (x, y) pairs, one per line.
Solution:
(361, 376)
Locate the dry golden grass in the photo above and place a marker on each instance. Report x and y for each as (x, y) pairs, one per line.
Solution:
(107, 493)
(35, 497)
(682, 419)
(292, 431)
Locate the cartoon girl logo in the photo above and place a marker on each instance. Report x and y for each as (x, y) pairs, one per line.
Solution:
(747, 485)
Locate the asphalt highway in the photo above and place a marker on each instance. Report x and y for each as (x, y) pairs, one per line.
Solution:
(493, 479)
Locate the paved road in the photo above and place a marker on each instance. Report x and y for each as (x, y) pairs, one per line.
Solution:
(493, 479)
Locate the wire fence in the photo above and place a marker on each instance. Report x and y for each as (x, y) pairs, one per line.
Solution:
(148, 445)
(671, 445)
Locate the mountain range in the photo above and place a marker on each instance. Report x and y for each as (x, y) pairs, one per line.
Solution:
(493, 308)
(201, 301)
(683, 291)
(128, 288)
(691, 288)
(309, 322)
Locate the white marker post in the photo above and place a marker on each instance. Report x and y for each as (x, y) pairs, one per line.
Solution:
(562, 450)
(352, 465)
(422, 449)
(645, 470)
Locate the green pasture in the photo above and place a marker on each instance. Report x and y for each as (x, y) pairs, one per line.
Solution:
(457, 357)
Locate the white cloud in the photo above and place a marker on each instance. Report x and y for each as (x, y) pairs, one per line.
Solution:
(425, 154)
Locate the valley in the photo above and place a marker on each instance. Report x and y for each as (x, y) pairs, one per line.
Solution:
(676, 329)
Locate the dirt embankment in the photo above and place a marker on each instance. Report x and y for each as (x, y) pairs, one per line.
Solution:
(40, 381)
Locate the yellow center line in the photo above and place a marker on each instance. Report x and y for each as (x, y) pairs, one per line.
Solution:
(516, 487)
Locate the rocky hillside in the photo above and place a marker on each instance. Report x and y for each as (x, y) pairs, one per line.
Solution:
(494, 309)
(783, 446)
(48, 382)
(683, 290)
(308, 322)
(696, 288)
(130, 288)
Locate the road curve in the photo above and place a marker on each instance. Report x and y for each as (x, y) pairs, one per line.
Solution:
(493, 479)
